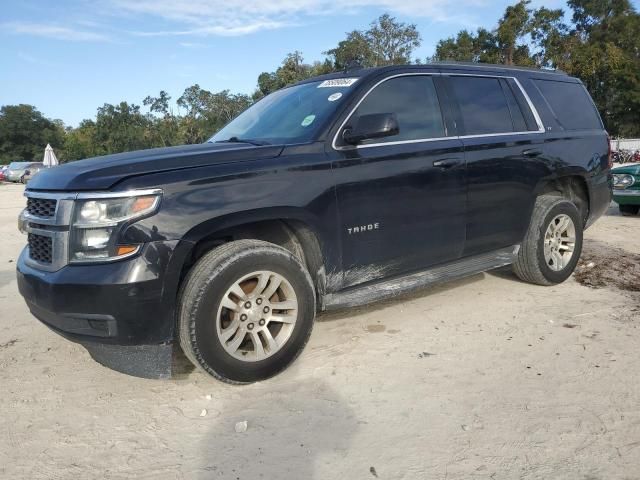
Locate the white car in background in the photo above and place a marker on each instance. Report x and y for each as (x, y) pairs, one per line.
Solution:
(16, 170)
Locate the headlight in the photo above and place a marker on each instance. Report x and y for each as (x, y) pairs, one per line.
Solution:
(623, 181)
(97, 223)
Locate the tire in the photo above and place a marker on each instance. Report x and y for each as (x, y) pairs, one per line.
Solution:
(204, 319)
(531, 264)
(629, 210)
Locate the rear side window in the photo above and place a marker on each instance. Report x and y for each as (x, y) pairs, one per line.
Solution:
(484, 107)
(414, 101)
(570, 105)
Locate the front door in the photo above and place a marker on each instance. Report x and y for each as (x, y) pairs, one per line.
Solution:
(401, 199)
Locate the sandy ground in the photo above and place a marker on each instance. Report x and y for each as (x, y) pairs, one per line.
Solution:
(483, 378)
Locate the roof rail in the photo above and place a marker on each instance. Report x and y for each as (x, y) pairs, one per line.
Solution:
(498, 65)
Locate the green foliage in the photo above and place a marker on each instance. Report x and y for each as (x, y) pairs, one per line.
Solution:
(207, 112)
(601, 46)
(292, 70)
(80, 142)
(353, 49)
(468, 47)
(603, 49)
(519, 31)
(121, 128)
(386, 42)
(24, 132)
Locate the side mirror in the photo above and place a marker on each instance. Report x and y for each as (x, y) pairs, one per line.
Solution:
(376, 125)
(27, 172)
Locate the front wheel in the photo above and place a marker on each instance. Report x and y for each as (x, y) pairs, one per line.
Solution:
(629, 210)
(246, 311)
(553, 243)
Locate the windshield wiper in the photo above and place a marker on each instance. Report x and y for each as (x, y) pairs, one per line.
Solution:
(258, 143)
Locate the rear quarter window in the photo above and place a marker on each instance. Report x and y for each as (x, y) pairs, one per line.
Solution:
(570, 104)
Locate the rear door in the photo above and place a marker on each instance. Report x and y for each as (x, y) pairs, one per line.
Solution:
(502, 139)
(401, 198)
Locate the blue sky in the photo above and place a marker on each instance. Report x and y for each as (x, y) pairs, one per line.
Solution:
(68, 57)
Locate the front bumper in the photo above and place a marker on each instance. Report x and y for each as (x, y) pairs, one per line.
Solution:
(121, 312)
(627, 197)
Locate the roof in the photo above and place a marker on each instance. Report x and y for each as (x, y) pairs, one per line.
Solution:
(367, 72)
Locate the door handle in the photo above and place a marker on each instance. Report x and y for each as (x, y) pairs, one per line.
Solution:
(446, 163)
(532, 152)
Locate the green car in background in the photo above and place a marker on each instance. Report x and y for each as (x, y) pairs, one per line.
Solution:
(626, 188)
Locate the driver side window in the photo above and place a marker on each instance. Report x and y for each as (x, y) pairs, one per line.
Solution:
(414, 101)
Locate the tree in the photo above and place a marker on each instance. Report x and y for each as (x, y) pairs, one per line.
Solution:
(194, 100)
(548, 34)
(467, 47)
(164, 124)
(519, 30)
(392, 42)
(25, 132)
(603, 50)
(512, 27)
(353, 49)
(601, 47)
(207, 112)
(81, 142)
(292, 70)
(121, 128)
(386, 42)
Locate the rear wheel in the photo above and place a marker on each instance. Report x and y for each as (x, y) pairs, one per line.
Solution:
(552, 246)
(629, 210)
(246, 311)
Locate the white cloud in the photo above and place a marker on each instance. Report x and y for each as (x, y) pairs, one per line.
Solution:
(26, 57)
(241, 17)
(192, 45)
(53, 31)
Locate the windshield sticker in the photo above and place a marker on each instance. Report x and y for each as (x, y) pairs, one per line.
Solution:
(338, 82)
(308, 120)
(334, 96)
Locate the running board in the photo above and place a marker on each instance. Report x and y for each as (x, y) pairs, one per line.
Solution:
(386, 289)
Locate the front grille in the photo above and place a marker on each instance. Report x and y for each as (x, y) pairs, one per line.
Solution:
(41, 207)
(40, 248)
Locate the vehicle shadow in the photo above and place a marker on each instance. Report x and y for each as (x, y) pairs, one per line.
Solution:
(505, 273)
(400, 299)
(293, 425)
(181, 366)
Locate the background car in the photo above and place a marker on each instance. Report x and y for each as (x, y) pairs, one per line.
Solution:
(16, 170)
(30, 172)
(2, 170)
(626, 188)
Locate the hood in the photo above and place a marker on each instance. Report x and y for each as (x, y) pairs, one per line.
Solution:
(102, 173)
(628, 169)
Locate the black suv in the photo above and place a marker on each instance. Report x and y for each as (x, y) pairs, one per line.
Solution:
(334, 192)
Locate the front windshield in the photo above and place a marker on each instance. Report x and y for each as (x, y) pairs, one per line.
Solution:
(290, 115)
